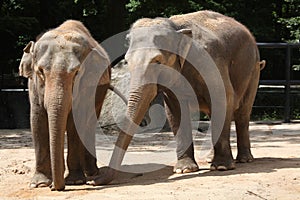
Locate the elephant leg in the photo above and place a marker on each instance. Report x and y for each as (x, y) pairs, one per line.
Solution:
(40, 132)
(75, 153)
(90, 162)
(178, 115)
(223, 159)
(242, 118)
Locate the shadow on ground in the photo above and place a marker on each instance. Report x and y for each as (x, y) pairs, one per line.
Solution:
(166, 175)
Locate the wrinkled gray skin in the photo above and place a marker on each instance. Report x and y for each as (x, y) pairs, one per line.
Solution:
(234, 51)
(52, 65)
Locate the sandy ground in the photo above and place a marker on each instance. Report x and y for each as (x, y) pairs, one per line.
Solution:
(275, 173)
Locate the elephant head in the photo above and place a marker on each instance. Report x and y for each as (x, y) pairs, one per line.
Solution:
(53, 63)
(151, 48)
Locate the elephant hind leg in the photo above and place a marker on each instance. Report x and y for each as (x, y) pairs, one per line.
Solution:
(242, 118)
(243, 142)
(75, 174)
(75, 177)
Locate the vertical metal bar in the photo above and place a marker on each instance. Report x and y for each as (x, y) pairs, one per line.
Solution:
(287, 107)
(2, 79)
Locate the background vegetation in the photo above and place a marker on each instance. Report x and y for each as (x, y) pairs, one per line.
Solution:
(22, 20)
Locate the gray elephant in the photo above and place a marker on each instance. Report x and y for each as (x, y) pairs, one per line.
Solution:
(189, 46)
(61, 67)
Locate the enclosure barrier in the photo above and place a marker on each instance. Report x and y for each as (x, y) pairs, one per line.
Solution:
(287, 82)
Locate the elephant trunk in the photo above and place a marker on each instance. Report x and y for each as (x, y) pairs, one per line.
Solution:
(138, 104)
(58, 98)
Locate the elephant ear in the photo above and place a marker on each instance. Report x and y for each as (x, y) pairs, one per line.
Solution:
(93, 71)
(25, 67)
(184, 44)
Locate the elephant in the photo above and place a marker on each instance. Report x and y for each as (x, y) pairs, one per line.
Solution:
(189, 45)
(56, 65)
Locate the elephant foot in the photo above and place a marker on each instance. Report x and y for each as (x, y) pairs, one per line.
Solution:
(185, 165)
(75, 177)
(53, 187)
(105, 176)
(222, 164)
(40, 180)
(244, 156)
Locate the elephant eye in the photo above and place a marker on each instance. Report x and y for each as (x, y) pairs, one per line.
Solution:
(158, 59)
(40, 74)
(40, 71)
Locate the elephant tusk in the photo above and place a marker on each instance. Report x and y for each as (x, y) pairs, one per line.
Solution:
(115, 90)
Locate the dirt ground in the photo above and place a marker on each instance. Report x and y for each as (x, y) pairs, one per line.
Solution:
(275, 173)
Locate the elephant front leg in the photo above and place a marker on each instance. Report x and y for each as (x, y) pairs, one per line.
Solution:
(179, 118)
(40, 133)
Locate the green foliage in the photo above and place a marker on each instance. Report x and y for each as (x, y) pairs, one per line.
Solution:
(290, 20)
(261, 17)
(133, 5)
(296, 114)
(195, 6)
(89, 9)
(270, 116)
(296, 67)
(293, 25)
(165, 8)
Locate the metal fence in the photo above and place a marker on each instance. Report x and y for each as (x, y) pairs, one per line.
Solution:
(287, 82)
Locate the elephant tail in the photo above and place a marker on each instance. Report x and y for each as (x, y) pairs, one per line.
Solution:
(115, 90)
(262, 64)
